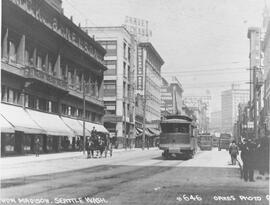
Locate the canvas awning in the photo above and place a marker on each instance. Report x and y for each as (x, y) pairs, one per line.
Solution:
(20, 119)
(98, 127)
(75, 125)
(6, 127)
(139, 132)
(101, 128)
(154, 131)
(51, 123)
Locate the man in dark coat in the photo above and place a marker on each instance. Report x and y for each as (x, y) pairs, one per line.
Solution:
(37, 146)
(248, 149)
(87, 146)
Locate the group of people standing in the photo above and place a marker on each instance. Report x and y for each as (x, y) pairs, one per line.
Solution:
(254, 155)
(99, 143)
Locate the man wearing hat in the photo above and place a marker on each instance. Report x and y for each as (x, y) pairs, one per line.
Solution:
(247, 156)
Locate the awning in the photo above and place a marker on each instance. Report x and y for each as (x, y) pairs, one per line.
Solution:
(6, 127)
(148, 133)
(139, 132)
(75, 125)
(101, 128)
(154, 131)
(19, 118)
(98, 127)
(52, 124)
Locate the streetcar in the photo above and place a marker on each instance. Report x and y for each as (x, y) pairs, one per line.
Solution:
(205, 141)
(224, 141)
(215, 141)
(178, 137)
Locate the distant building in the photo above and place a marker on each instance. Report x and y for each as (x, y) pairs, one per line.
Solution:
(119, 97)
(149, 82)
(171, 96)
(215, 121)
(230, 100)
(200, 107)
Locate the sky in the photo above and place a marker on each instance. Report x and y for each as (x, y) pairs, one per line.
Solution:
(203, 42)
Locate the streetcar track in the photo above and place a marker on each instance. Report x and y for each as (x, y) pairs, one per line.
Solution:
(123, 176)
(20, 181)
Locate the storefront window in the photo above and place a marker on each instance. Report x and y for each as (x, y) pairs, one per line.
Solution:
(9, 142)
(28, 143)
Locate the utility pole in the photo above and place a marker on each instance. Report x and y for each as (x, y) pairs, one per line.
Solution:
(255, 102)
(84, 140)
(144, 110)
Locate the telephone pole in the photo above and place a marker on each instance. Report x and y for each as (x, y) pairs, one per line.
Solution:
(144, 110)
(84, 140)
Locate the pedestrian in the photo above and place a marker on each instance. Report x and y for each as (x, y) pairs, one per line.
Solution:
(108, 145)
(78, 143)
(87, 147)
(91, 147)
(233, 150)
(263, 155)
(37, 147)
(247, 156)
(102, 146)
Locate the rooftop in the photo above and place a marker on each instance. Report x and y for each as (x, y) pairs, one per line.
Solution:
(151, 47)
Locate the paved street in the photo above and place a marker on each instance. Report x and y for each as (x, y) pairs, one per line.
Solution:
(129, 177)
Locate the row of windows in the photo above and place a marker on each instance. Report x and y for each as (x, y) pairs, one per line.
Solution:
(112, 67)
(42, 104)
(78, 112)
(110, 88)
(13, 96)
(110, 47)
(42, 59)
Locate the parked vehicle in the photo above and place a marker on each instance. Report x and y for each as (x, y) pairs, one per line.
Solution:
(178, 136)
(224, 141)
(205, 140)
(215, 141)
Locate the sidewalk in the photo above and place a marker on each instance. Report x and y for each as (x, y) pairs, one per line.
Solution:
(23, 166)
(54, 156)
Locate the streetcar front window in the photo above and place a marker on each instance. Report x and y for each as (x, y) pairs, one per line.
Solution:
(174, 128)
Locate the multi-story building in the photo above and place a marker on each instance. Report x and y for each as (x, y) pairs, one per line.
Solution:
(49, 65)
(256, 78)
(215, 121)
(230, 100)
(266, 62)
(200, 106)
(171, 96)
(119, 95)
(149, 82)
